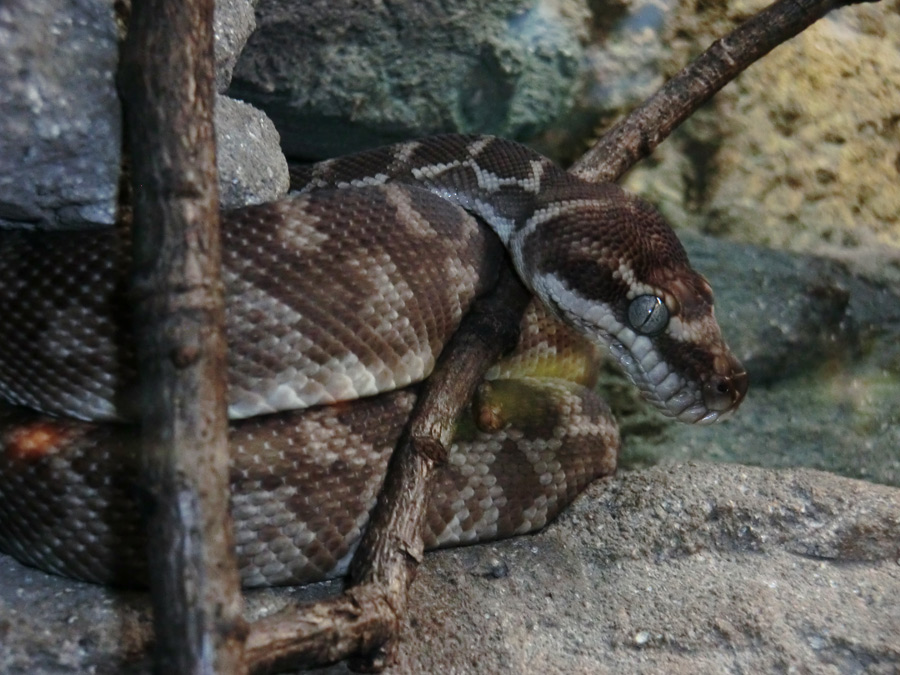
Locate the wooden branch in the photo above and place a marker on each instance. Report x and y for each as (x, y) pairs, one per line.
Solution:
(638, 134)
(167, 85)
(365, 618)
(186, 352)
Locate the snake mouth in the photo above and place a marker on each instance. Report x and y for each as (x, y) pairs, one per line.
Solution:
(689, 401)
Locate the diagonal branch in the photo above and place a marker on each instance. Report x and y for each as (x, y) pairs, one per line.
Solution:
(637, 135)
(365, 618)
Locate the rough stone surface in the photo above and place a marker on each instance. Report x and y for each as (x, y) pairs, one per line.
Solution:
(233, 22)
(337, 76)
(60, 120)
(682, 569)
(694, 568)
(801, 150)
(252, 169)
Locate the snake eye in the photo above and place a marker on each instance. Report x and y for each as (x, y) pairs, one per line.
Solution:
(648, 315)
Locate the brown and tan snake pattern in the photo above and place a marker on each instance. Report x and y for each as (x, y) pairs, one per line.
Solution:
(339, 300)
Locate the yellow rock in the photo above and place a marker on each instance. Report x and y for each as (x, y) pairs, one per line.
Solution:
(802, 151)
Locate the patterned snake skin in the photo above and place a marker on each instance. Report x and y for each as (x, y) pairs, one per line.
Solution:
(339, 300)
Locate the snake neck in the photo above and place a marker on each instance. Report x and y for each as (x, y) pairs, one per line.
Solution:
(603, 261)
(514, 190)
(501, 181)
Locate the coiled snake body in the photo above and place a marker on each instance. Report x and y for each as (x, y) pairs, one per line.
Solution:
(339, 300)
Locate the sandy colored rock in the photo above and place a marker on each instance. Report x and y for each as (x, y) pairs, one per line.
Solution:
(802, 150)
(681, 569)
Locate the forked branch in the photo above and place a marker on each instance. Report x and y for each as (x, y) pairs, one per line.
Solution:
(364, 619)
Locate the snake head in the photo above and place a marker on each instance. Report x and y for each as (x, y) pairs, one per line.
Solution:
(614, 270)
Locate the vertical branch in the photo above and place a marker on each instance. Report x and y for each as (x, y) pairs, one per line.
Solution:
(167, 86)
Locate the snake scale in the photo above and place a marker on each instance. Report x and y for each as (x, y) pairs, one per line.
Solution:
(339, 300)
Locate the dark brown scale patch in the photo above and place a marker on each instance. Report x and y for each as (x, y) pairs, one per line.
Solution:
(344, 169)
(578, 259)
(73, 511)
(693, 294)
(527, 481)
(60, 288)
(440, 150)
(586, 249)
(335, 475)
(506, 160)
(689, 359)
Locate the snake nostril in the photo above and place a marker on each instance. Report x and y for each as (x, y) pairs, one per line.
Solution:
(725, 392)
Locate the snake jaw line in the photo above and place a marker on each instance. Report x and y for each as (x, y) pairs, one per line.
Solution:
(667, 387)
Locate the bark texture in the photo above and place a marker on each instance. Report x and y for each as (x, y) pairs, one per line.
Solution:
(167, 85)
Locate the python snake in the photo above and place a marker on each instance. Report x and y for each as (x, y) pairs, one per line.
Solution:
(339, 300)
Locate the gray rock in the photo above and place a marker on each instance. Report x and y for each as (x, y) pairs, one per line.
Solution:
(679, 569)
(233, 23)
(252, 169)
(695, 568)
(338, 76)
(786, 314)
(60, 120)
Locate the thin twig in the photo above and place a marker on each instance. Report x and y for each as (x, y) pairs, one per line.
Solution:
(637, 135)
(167, 84)
(368, 615)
